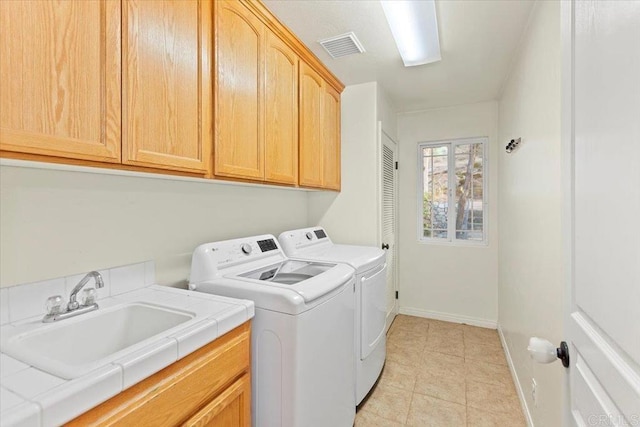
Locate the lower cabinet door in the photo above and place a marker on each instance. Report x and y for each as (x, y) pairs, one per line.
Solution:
(232, 408)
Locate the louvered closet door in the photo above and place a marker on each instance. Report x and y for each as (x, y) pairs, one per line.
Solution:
(389, 153)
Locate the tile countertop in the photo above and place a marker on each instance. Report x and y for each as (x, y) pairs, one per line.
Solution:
(31, 397)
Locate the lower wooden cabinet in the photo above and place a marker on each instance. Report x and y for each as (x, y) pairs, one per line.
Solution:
(231, 408)
(209, 387)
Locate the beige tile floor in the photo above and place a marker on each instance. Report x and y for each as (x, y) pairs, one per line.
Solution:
(442, 374)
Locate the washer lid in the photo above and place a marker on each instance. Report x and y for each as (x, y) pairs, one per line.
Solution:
(311, 280)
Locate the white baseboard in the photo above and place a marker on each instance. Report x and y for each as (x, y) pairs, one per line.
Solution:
(516, 381)
(447, 317)
(390, 316)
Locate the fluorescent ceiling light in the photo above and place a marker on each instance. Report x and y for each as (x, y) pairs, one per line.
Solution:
(415, 29)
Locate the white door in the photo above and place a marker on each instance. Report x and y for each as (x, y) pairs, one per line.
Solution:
(388, 217)
(601, 127)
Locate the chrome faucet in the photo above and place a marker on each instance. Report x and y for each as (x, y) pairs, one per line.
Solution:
(55, 310)
(73, 304)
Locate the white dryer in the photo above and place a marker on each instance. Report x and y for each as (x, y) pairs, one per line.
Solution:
(371, 280)
(302, 334)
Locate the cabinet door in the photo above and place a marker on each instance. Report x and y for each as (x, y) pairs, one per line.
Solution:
(167, 84)
(311, 94)
(281, 111)
(60, 85)
(331, 139)
(239, 138)
(231, 409)
(184, 388)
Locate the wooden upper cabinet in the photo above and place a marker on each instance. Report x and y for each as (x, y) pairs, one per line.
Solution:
(331, 138)
(239, 132)
(319, 131)
(311, 157)
(281, 111)
(209, 87)
(60, 85)
(166, 88)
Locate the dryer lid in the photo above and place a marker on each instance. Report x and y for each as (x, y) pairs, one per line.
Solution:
(362, 258)
(314, 243)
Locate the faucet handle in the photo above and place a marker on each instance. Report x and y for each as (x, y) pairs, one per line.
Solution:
(54, 305)
(88, 296)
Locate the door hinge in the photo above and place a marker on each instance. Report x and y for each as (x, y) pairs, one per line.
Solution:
(396, 165)
(396, 294)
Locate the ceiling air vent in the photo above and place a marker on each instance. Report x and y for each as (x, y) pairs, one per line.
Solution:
(342, 45)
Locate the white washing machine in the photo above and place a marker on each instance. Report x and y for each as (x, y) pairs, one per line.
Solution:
(371, 280)
(302, 364)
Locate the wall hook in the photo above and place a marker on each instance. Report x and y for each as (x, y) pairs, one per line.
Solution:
(513, 144)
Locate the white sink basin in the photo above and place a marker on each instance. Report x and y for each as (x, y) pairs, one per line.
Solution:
(72, 347)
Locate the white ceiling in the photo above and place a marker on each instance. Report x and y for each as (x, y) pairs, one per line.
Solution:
(478, 39)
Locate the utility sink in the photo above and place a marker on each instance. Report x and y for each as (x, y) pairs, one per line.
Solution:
(72, 347)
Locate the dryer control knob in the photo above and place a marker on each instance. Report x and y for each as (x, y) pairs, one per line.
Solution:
(246, 248)
(309, 235)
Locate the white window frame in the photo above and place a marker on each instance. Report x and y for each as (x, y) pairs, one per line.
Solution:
(451, 232)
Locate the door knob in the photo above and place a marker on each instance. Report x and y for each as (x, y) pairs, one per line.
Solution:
(385, 246)
(542, 351)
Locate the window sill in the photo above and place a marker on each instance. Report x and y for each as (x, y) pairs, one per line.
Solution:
(460, 244)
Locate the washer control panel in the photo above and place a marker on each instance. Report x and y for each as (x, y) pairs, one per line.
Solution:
(267, 245)
(212, 260)
(320, 234)
(242, 250)
(296, 240)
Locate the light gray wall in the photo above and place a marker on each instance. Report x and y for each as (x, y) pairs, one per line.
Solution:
(387, 113)
(57, 223)
(458, 283)
(530, 259)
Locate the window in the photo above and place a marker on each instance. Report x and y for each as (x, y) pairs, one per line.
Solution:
(452, 174)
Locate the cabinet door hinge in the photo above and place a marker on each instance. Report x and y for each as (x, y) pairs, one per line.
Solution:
(396, 294)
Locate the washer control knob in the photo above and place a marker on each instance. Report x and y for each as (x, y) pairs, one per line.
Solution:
(246, 248)
(309, 235)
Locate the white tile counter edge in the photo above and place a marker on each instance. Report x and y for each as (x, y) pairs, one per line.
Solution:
(31, 397)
